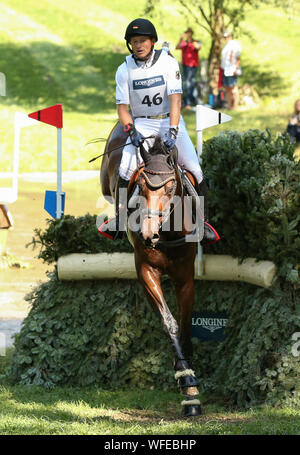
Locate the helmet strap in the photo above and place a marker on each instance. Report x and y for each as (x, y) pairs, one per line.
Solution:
(129, 48)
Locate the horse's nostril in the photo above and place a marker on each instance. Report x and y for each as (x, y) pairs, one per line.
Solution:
(155, 239)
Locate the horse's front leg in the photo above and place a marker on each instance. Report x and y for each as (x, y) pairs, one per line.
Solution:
(150, 279)
(185, 300)
(185, 294)
(183, 277)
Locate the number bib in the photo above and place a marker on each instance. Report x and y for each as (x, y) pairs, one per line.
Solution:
(148, 87)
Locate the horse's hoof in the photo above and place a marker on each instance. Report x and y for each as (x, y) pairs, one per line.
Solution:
(191, 407)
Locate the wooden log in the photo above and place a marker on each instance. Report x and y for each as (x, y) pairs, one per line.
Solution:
(103, 266)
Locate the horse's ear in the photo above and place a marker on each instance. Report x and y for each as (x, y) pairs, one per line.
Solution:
(173, 156)
(145, 154)
(164, 149)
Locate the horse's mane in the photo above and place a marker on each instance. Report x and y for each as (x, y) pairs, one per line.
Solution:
(159, 149)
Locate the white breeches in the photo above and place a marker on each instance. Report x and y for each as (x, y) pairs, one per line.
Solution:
(187, 155)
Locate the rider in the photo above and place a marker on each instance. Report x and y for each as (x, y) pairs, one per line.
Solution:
(149, 81)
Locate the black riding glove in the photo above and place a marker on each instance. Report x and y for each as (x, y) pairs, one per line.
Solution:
(136, 137)
(170, 138)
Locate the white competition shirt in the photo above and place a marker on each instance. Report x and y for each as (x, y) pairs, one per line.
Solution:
(230, 53)
(146, 86)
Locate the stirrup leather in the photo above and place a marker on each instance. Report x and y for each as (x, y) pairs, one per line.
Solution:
(113, 232)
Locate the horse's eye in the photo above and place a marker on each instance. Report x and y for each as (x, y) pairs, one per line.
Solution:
(142, 186)
(170, 189)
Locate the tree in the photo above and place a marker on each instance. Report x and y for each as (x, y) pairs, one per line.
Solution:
(214, 16)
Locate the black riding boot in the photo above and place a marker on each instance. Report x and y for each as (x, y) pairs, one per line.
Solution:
(210, 234)
(114, 228)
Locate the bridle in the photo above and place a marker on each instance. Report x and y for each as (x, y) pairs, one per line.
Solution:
(166, 214)
(156, 174)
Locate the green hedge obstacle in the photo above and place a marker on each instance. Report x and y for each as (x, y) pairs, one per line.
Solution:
(104, 333)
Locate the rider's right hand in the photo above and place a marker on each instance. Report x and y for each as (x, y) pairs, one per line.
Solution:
(136, 137)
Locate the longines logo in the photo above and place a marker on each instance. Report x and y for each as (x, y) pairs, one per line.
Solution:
(148, 82)
(210, 324)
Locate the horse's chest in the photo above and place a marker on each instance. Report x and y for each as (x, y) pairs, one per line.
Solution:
(157, 258)
(165, 260)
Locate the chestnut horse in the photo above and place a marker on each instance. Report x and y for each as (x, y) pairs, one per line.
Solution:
(157, 251)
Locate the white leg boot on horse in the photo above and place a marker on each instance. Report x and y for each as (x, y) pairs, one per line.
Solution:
(114, 228)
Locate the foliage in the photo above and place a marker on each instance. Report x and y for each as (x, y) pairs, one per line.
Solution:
(254, 204)
(205, 13)
(58, 50)
(214, 17)
(84, 333)
(255, 197)
(104, 333)
(74, 235)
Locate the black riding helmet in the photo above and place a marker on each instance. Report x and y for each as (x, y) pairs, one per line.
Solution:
(140, 27)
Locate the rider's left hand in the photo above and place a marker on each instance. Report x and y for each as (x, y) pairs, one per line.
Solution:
(170, 138)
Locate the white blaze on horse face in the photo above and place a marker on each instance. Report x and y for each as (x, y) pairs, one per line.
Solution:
(156, 210)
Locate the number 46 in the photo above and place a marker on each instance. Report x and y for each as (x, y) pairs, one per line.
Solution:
(155, 100)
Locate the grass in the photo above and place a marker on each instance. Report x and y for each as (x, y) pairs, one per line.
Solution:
(33, 410)
(86, 411)
(54, 53)
(67, 52)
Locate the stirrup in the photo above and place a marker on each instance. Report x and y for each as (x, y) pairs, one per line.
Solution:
(114, 232)
(210, 235)
(111, 234)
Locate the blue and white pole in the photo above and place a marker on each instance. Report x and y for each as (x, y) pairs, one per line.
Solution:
(59, 193)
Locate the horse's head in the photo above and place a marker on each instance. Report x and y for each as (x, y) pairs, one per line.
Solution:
(157, 185)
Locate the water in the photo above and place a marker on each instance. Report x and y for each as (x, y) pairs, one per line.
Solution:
(82, 196)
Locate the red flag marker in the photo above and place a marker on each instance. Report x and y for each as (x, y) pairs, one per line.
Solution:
(51, 115)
